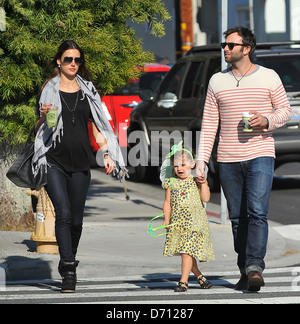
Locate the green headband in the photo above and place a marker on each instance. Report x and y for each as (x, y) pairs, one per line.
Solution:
(167, 168)
(178, 148)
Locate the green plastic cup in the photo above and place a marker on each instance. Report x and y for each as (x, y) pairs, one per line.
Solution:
(52, 117)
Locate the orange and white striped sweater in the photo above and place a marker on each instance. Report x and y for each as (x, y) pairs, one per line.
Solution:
(260, 91)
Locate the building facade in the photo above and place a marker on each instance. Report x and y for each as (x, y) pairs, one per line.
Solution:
(198, 22)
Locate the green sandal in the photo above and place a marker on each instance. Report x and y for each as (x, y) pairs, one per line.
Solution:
(180, 287)
(204, 283)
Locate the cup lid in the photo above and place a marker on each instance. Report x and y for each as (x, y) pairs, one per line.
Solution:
(247, 115)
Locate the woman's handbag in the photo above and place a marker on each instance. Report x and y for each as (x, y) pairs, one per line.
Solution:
(20, 173)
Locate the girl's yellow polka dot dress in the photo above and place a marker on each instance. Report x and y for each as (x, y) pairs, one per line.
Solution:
(192, 234)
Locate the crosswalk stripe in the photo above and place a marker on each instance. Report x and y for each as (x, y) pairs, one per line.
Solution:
(139, 293)
(150, 277)
(271, 300)
(282, 286)
(139, 285)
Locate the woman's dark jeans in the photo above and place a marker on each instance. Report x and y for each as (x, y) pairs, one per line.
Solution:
(68, 192)
(247, 187)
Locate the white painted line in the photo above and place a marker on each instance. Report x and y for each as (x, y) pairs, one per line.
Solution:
(291, 232)
(140, 294)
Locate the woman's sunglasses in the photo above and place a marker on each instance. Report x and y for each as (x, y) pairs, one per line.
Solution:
(231, 45)
(69, 60)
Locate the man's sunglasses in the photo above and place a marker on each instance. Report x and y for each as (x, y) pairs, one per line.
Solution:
(69, 60)
(231, 45)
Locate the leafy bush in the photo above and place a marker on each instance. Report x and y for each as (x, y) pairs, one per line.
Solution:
(34, 30)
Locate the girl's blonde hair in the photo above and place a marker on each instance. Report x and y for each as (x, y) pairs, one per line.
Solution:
(184, 153)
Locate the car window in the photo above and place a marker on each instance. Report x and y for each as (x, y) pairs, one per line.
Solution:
(193, 80)
(173, 79)
(213, 68)
(288, 68)
(149, 80)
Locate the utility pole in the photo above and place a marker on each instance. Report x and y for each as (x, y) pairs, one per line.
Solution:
(187, 24)
(178, 29)
(224, 24)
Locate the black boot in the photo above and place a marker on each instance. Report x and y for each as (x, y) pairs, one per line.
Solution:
(67, 270)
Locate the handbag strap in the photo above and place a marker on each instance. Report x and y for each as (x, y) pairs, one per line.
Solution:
(29, 136)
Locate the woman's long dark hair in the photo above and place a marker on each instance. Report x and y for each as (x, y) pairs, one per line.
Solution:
(83, 71)
(64, 46)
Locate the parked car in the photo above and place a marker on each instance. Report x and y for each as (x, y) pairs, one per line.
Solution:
(119, 104)
(179, 101)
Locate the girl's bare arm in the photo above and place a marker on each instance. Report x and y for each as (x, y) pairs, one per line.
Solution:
(204, 191)
(167, 207)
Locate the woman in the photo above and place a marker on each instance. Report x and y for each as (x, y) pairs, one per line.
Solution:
(65, 149)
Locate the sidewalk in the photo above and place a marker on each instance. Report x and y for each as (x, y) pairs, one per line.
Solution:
(115, 240)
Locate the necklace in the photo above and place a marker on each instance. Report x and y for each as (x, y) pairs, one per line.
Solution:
(239, 80)
(72, 111)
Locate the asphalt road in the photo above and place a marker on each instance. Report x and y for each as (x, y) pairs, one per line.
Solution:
(284, 207)
(284, 201)
(155, 293)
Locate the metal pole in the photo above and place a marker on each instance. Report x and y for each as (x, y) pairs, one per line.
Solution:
(224, 17)
(224, 209)
(251, 14)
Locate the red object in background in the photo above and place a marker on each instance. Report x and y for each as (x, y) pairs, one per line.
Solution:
(120, 104)
(93, 142)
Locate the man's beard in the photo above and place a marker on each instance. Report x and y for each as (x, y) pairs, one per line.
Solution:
(234, 58)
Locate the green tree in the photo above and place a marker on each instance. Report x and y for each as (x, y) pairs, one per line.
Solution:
(29, 40)
(35, 28)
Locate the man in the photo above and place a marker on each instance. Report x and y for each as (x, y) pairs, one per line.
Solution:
(246, 159)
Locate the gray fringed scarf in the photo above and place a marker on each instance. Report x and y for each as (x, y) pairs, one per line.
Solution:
(46, 137)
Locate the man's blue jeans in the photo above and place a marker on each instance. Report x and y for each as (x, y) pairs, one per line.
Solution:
(247, 188)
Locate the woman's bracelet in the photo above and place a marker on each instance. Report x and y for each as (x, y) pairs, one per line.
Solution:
(105, 153)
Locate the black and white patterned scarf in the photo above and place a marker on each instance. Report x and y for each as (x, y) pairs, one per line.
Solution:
(46, 137)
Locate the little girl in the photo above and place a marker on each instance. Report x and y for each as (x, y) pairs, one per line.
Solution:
(183, 205)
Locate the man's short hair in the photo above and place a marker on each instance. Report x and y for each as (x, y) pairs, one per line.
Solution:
(248, 36)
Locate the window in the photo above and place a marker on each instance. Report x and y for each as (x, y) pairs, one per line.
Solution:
(173, 79)
(243, 16)
(213, 68)
(288, 68)
(193, 80)
(149, 80)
